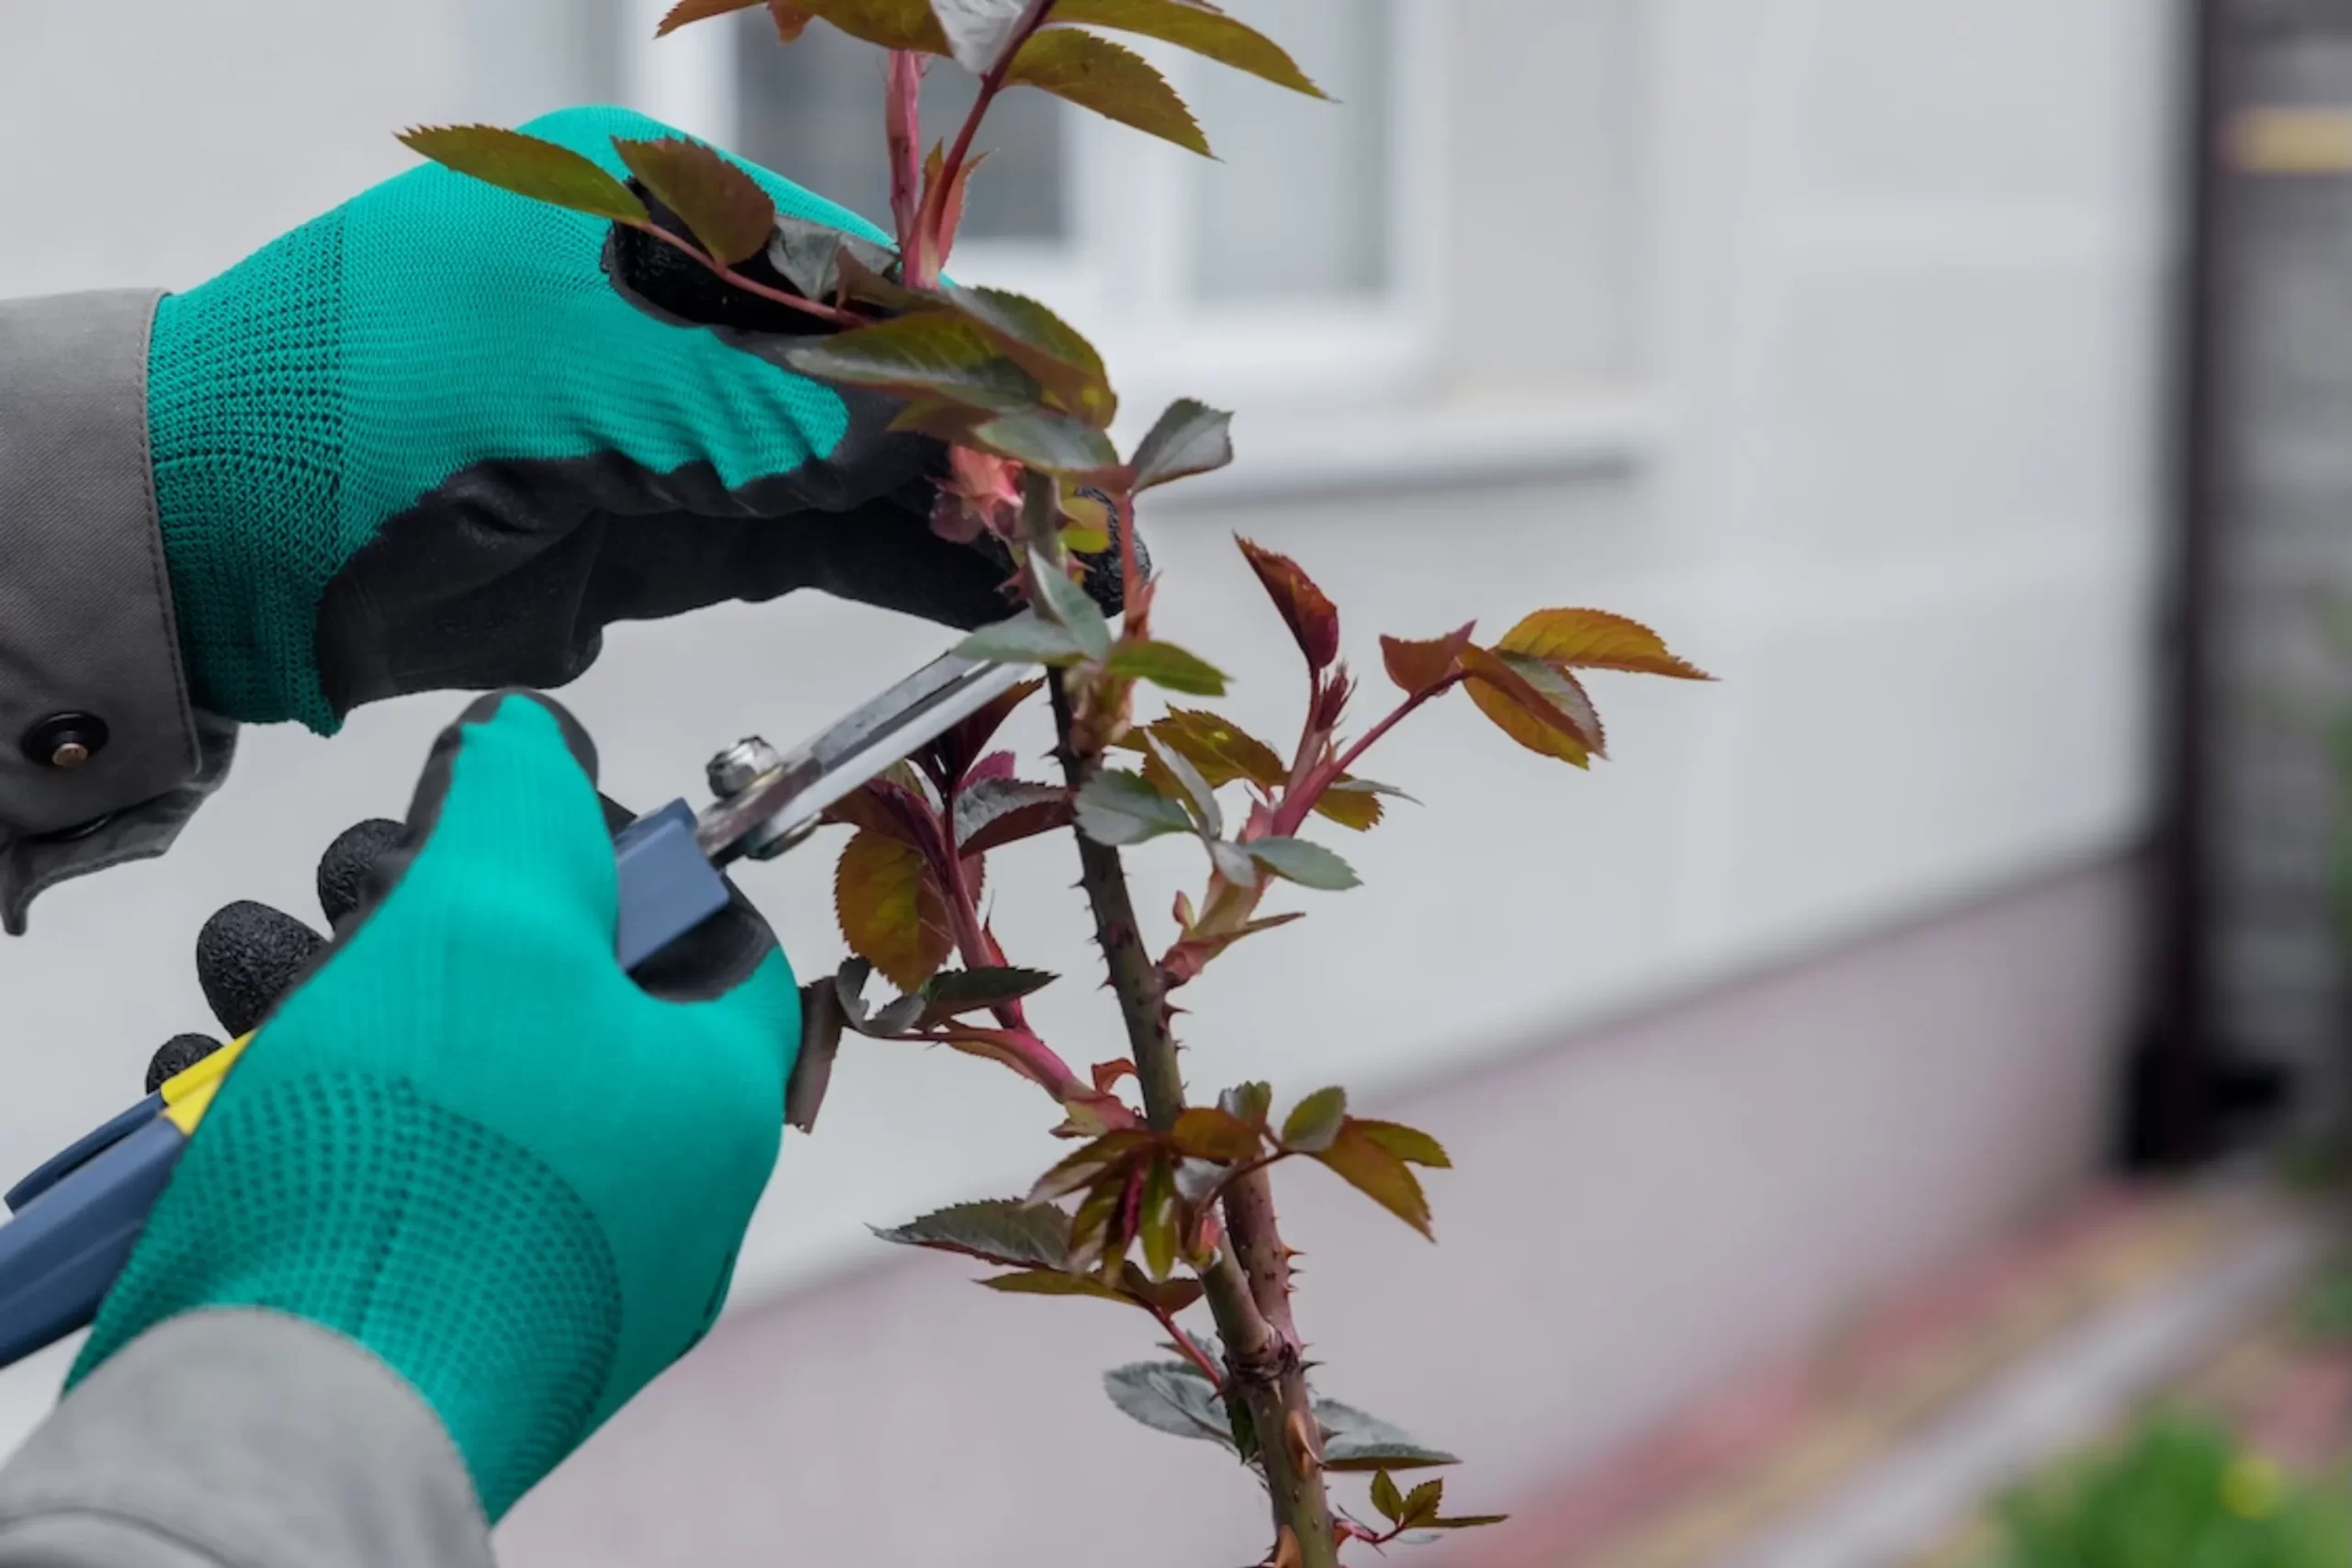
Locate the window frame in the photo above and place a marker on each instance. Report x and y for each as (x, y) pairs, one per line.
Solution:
(1123, 275)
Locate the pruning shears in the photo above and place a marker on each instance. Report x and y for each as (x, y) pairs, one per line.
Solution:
(74, 1220)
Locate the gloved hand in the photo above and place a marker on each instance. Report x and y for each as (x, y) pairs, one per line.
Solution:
(467, 1140)
(426, 440)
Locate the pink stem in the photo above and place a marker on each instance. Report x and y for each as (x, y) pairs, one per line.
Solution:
(904, 119)
(1186, 1348)
(1034, 1059)
(1300, 799)
(750, 286)
(935, 200)
(972, 937)
(1123, 519)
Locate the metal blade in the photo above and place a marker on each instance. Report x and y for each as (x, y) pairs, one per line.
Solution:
(785, 802)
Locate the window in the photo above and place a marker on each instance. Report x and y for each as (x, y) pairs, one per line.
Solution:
(814, 110)
(1292, 268)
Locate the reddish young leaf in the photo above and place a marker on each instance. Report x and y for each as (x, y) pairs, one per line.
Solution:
(1171, 1295)
(1521, 712)
(1095, 1231)
(721, 204)
(953, 755)
(1358, 808)
(1206, 1132)
(933, 355)
(953, 993)
(1106, 1075)
(1111, 79)
(889, 808)
(687, 11)
(996, 1230)
(1595, 640)
(1418, 666)
(1050, 348)
(1366, 1164)
(996, 767)
(892, 912)
(1108, 1218)
(1220, 748)
(887, 24)
(1407, 1143)
(1111, 1153)
(1310, 615)
(1562, 691)
(992, 813)
(1331, 706)
(951, 210)
(1054, 1282)
(527, 166)
(1187, 958)
(992, 1045)
(1199, 26)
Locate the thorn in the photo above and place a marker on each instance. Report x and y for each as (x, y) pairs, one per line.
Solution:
(1300, 1445)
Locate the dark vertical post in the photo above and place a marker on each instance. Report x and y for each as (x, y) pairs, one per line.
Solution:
(2170, 1119)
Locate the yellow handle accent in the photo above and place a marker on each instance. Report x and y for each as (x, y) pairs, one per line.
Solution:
(186, 1094)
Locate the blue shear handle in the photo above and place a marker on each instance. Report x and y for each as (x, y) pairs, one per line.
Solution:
(78, 1216)
(55, 1169)
(62, 1251)
(668, 886)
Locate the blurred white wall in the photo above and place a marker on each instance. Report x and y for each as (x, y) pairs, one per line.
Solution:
(1821, 333)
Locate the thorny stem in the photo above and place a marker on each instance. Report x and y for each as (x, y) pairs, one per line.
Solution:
(725, 273)
(1266, 1377)
(1261, 1347)
(1135, 978)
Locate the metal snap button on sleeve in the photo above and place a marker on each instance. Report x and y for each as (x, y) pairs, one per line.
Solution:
(64, 740)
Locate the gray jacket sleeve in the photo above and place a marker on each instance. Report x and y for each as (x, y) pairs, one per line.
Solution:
(101, 758)
(239, 1438)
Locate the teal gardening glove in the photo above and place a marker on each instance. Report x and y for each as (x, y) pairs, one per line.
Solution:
(472, 1143)
(440, 438)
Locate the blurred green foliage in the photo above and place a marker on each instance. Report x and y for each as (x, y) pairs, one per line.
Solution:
(2181, 1493)
(2327, 1303)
